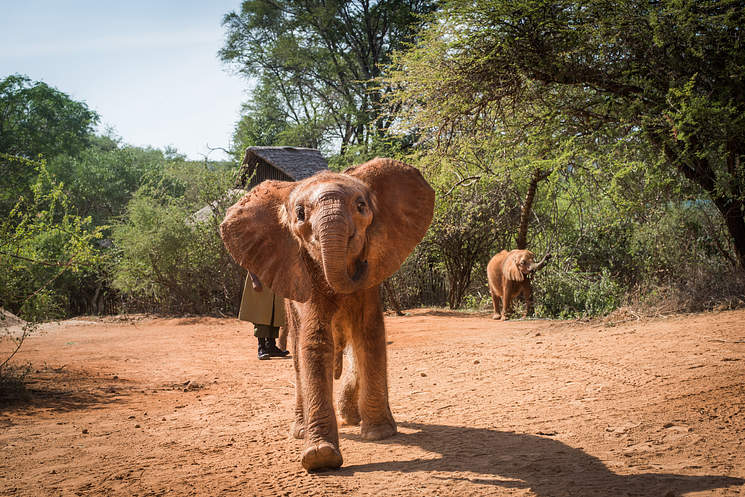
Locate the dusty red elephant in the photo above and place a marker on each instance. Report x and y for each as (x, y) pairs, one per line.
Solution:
(326, 243)
(509, 277)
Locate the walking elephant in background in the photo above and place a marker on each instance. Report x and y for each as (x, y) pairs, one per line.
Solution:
(326, 244)
(509, 277)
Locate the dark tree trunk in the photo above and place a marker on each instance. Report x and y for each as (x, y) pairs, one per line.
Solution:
(731, 207)
(733, 212)
(527, 209)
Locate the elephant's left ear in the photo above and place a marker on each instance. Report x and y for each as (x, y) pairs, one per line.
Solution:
(403, 207)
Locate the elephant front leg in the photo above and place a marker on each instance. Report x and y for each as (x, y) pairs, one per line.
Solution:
(370, 354)
(495, 303)
(292, 328)
(316, 359)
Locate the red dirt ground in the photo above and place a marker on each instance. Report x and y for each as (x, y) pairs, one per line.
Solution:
(527, 408)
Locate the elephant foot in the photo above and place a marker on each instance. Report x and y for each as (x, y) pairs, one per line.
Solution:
(348, 410)
(504, 318)
(321, 456)
(495, 316)
(297, 430)
(378, 431)
(349, 417)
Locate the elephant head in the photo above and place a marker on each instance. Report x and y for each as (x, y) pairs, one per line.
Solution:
(521, 263)
(343, 231)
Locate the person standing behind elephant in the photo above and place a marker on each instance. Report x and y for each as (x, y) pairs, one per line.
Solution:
(266, 311)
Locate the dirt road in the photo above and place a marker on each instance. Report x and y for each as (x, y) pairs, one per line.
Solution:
(524, 408)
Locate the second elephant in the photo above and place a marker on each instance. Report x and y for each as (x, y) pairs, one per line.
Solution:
(509, 277)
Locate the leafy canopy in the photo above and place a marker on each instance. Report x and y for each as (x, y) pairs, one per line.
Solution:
(628, 77)
(320, 60)
(36, 119)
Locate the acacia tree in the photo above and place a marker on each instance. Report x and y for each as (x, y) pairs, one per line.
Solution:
(666, 76)
(321, 59)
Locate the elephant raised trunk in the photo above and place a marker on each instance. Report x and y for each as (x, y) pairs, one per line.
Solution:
(536, 266)
(334, 236)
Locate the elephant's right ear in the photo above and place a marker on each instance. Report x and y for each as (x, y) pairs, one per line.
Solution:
(256, 234)
(513, 270)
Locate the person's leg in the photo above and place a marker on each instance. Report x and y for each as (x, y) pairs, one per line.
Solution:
(263, 332)
(271, 346)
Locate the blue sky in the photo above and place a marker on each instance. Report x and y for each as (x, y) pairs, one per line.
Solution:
(149, 68)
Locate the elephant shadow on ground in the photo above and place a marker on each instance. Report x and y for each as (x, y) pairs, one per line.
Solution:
(513, 460)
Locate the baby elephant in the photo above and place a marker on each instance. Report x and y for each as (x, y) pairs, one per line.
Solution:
(509, 277)
(326, 244)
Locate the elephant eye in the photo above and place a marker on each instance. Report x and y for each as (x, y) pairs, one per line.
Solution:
(300, 212)
(361, 205)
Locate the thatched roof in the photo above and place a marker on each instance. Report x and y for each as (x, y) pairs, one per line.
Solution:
(290, 163)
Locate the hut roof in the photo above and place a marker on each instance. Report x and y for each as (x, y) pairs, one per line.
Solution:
(297, 163)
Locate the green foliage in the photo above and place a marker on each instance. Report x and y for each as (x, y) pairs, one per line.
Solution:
(264, 122)
(171, 258)
(572, 293)
(420, 281)
(101, 179)
(44, 247)
(36, 119)
(635, 76)
(469, 220)
(392, 147)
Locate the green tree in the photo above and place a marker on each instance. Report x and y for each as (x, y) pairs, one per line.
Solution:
(102, 178)
(468, 223)
(44, 245)
(264, 122)
(630, 76)
(320, 60)
(169, 254)
(36, 119)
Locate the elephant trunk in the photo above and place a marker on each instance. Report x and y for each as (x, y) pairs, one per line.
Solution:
(538, 265)
(333, 236)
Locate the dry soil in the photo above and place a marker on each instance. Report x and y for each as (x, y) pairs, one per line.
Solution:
(523, 408)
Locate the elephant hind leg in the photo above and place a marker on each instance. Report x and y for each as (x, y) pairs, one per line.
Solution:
(340, 343)
(349, 399)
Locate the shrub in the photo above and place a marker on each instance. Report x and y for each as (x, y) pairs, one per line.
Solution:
(169, 260)
(573, 294)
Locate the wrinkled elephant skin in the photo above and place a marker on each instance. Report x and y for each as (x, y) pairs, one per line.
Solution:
(326, 244)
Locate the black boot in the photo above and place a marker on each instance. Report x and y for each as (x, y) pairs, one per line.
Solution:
(263, 349)
(275, 351)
